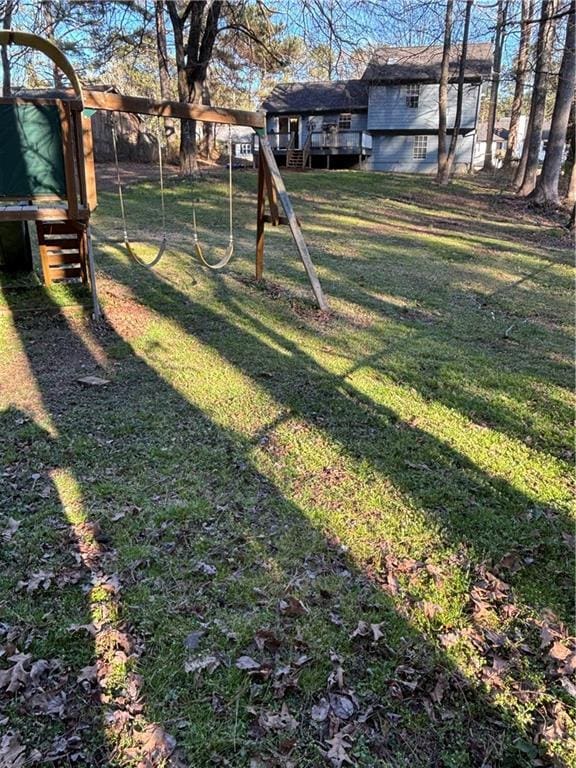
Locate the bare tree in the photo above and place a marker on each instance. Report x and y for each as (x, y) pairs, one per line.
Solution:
(164, 74)
(525, 178)
(546, 189)
(495, 84)
(443, 91)
(7, 10)
(444, 176)
(520, 76)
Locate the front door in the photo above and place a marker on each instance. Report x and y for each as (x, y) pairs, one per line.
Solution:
(294, 130)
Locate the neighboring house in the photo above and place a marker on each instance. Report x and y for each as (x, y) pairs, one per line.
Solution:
(386, 121)
(499, 141)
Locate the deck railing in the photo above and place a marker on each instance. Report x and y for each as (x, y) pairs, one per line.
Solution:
(355, 142)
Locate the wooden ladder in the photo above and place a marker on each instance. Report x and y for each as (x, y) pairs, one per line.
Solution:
(63, 249)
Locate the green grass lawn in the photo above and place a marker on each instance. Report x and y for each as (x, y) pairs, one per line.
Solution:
(285, 538)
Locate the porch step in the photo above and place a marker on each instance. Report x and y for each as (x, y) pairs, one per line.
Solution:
(295, 158)
(63, 248)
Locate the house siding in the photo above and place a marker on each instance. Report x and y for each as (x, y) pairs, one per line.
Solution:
(387, 107)
(395, 153)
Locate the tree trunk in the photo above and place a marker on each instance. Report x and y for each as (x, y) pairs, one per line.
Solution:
(49, 33)
(164, 78)
(570, 198)
(447, 172)
(495, 85)
(443, 91)
(527, 170)
(546, 189)
(6, 71)
(521, 74)
(192, 60)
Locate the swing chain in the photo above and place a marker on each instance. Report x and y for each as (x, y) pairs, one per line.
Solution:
(230, 249)
(127, 244)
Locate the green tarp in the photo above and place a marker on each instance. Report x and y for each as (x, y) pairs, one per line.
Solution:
(31, 157)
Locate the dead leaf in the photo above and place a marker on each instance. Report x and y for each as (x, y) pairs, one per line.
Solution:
(93, 381)
(291, 606)
(342, 706)
(265, 638)
(559, 652)
(337, 754)
(208, 663)
(362, 630)
(392, 584)
(38, 669)
(547, 635)
(438, 692)
(336, 677)
(206, 569)
(12, 753)
(320, 711)
(88, 674)
(492, 676)
(247, 663)
(557, 724)
(89, 628)
(38, 579)
(278, 722)
(48, 704)
(11, 528)
(429, 609)
(192, 640)
(14, 678)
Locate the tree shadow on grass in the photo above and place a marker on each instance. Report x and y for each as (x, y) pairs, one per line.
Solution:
(465, 505)
(187, 548)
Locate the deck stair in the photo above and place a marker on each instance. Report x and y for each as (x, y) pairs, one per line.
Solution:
(295, 158)
(63, 251)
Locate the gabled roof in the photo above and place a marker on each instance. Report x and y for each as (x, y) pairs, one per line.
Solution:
(422, 63)
(328, 96)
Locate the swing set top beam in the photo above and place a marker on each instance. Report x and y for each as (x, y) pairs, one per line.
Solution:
(116, 102)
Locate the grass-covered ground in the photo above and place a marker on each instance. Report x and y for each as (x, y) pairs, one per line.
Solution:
(285, 538)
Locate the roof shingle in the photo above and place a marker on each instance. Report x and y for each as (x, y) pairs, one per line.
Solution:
(313, 97)
(422, 63)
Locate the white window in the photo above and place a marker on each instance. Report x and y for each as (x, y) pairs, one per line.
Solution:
(412, 95)
(345, 121)
(420, 147)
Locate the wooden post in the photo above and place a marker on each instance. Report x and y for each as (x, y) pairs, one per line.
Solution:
(79, 155)
(260, 205)
(68, 149)
(267, 156)
(92, 198)
(272, 198)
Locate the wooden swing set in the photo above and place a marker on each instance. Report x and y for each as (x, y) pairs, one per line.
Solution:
(62, 204)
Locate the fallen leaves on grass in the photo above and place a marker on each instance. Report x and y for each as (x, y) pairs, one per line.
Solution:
(339, 745)
(39, 579)
(282, 721)
(12, 752)
(207, 663)
(10, 529)
(365, 629)
(291, 606)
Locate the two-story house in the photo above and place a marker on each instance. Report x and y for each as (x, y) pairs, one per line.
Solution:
(385, 121)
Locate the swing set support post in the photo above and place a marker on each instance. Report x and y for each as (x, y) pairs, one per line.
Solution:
(267, 165)
(261, 207)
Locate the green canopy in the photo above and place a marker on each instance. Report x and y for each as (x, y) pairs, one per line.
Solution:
(31, 156)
